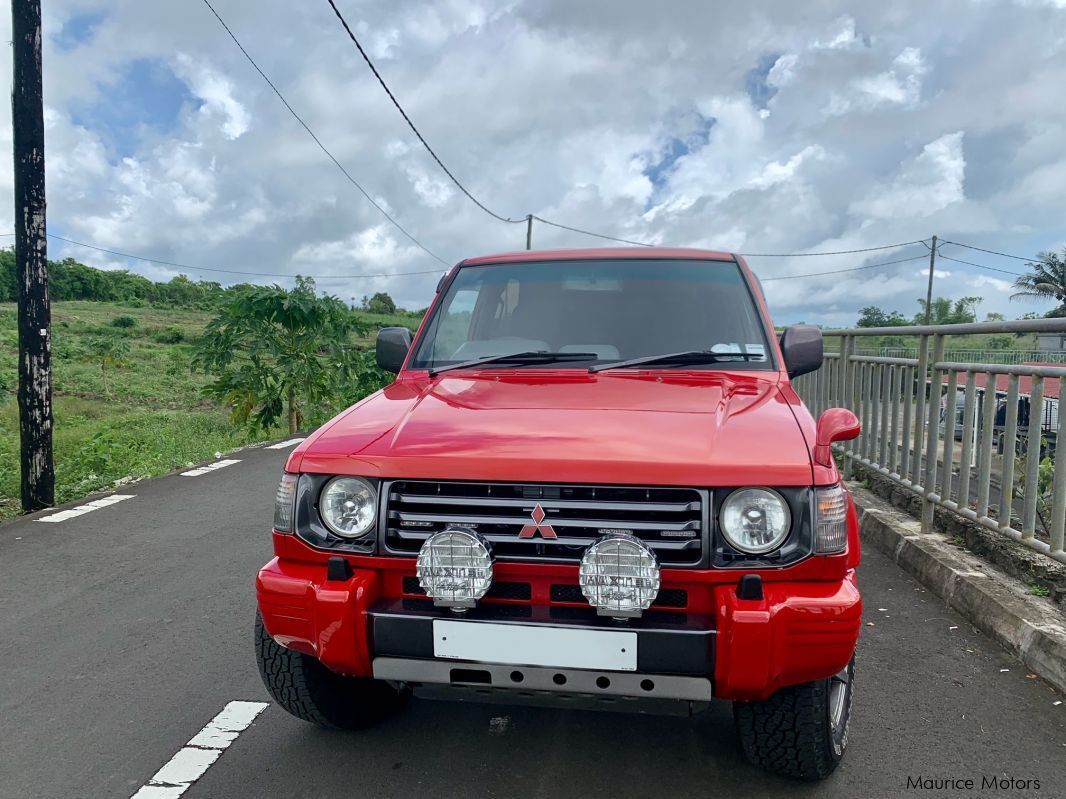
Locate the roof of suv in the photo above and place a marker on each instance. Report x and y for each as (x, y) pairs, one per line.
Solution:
(601, 253)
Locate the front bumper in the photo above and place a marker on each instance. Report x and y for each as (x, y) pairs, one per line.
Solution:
(730, 648)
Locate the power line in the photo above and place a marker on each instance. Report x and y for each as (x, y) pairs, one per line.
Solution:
(590, 233)
(979, 266)
(745, 254)
(990, 252)
(192, 268)
(835, 252)
(321, 146)
(411, 124)
(841, 271)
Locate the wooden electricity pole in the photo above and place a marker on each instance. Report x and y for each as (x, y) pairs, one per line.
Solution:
(529, 231)
(31, 257)
(929, 288)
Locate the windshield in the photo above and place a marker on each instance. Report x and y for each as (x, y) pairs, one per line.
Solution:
(612, 310)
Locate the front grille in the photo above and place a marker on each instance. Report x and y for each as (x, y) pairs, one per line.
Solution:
(567, 593)
(498, 590)
(669, 520)
(667, 597)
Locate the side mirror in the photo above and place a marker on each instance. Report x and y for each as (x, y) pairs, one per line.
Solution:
(392, 346)
(835, 424)
(802, 347)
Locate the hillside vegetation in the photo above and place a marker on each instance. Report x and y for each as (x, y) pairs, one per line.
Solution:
(152, 417)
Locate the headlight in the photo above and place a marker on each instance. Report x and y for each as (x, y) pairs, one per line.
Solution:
(619, 576)
(830, 520)
(454, 567)
(349, 506)
(755, 520)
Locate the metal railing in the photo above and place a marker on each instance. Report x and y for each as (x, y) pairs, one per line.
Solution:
(968, 355)
(910, 419)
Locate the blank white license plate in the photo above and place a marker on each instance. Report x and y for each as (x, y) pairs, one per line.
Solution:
(521, 645)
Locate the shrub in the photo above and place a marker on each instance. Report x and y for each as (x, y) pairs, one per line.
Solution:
(170, 335)
(123, 321)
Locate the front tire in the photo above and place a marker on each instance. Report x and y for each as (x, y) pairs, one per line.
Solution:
(310, 691)
(801, 731)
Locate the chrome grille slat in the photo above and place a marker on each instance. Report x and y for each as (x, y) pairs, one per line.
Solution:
(547, 504)
(670, 520)
(570, 541)
(555, 521)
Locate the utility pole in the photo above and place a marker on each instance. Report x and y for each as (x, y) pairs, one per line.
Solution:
(529, 231)
(31, 258)
(929, 290)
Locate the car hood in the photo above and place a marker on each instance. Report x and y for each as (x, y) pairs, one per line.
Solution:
(707, 428)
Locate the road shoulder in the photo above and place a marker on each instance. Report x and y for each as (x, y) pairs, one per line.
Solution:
(1030, 627)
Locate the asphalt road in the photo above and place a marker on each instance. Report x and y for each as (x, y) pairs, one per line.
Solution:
(125, 630)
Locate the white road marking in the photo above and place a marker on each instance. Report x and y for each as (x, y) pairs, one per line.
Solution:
(96, 504)
(209, 468)
(292, 442)
(203, 749)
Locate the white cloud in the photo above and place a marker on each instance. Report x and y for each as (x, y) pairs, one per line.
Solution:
(783, 71)
(890, 122)
(928, 183)
(841, 35)
(217, 95)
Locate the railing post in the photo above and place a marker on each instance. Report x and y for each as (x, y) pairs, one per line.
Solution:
(1010, 452)
(864, 374)
(932, 437)
(921, 400)
(1032, 457)
(847, 344)
(884, 380)
(893, 438)
(906, 392)
(950, 404)
(984, 455)
(966, 459)
(1058, 502)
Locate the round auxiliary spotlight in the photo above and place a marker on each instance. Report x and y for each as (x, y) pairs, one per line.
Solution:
(454, 568)
(619, 576)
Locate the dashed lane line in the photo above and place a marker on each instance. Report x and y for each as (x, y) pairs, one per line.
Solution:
(209, 468)
(96, 504)
(292, 442)
(194, 759)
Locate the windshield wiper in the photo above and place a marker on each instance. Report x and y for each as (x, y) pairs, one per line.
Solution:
(520, 358)
(689, 356)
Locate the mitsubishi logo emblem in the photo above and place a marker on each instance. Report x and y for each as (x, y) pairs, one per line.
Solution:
(530, 530)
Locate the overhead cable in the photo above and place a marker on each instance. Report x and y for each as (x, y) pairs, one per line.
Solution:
(318, 141)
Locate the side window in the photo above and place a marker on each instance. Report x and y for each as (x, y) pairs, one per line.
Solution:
(454, 326)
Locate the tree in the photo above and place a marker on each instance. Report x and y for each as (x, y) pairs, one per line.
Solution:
(1045, 280)
(944, 312)
(380, 303)
(279, 353)
(872, 316)
(110, 352)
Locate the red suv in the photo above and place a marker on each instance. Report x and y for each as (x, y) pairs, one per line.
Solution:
(592, 477)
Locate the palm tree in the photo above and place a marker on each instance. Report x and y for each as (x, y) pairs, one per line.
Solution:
(1046, 280)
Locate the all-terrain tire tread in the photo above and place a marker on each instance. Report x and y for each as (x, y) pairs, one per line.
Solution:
(308, 690)
(788, 734)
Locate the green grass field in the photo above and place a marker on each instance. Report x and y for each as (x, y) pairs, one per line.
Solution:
(153, 418)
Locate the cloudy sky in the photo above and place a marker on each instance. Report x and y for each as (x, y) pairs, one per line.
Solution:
(776, 127)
